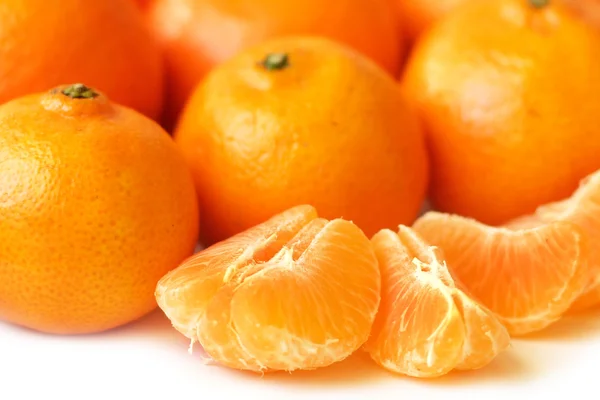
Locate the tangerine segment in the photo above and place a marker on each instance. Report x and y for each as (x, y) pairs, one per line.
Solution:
(205, 272)
(295, 292)
(528, 276)
(426, 326)
(486, 335)
(582, 209)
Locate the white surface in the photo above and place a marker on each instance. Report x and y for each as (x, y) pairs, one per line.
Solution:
(149, 360)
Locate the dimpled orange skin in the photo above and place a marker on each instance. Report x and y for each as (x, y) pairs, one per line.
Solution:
(45, 43)
(198, 34)
(509, 99)
(96, 205)
(331, 129)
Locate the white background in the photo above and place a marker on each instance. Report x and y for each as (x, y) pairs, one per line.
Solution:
(149, 360)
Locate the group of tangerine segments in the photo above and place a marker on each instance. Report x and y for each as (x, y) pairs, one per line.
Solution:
(302, 292)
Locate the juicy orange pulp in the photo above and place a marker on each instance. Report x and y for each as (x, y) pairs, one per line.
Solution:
(528, 276)
(426, 325)
(582, 209)
(295, 292)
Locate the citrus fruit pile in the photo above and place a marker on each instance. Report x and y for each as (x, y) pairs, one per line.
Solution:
(415, 180)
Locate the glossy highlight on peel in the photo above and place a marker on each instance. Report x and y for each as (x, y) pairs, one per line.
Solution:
(427, 325)
(496, 93)
(295, 292)
(302, 120)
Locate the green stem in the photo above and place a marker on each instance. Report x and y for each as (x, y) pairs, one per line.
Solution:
(539, 3)
(79, 91)
(276, 61)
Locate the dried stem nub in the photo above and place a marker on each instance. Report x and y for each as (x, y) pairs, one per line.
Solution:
(79, 91)
(276, 61)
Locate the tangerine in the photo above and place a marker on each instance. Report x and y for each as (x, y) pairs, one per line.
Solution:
(45, 43)
(96, 205)
(294, 292)
(302, 121)
(426, 325)
(418, 15)
(142, 3)
(589, 10)
(510, 118)
(197, 35)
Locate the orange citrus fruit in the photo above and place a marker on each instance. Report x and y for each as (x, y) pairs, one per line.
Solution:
(582, 209)
(96, 205)
(294, 292)
(589, 10)
(45, 43)
(418, 15)
(510, 118)
(197, 35)
(528, 276)
(426, 325)
(302, 121)
(142, 3)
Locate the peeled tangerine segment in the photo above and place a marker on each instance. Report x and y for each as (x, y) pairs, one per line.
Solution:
(582, 209)
(528, 276)
(426, 325)
(295, 292)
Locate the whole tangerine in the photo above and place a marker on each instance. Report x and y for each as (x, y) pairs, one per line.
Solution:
(45, 43)
(302, 120)
(510, 115)
(96, 205)
(197, 35)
